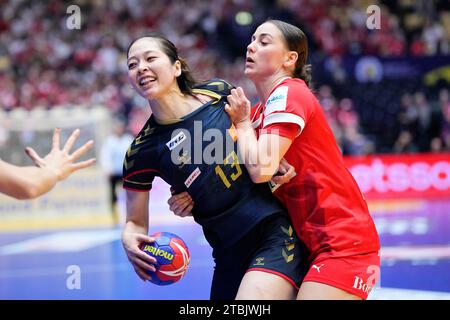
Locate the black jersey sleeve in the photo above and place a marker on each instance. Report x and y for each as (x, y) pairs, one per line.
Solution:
(140, 166)
(216, 88)
(140, 180)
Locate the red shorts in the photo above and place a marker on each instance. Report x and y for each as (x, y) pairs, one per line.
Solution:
(356, 274)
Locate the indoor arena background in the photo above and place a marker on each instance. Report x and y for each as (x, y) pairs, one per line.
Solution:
(381, 70)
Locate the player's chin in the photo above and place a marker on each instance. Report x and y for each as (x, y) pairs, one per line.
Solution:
(250, 73)
(147, 93)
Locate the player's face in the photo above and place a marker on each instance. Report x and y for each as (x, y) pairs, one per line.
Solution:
(266, 53)
(150, 70)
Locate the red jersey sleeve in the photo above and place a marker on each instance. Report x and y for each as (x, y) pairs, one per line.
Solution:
(290, 102)
(287, 130)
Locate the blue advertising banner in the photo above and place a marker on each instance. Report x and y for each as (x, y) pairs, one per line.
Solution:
(429, 70)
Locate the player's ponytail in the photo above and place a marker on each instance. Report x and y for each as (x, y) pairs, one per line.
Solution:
(296, 40)
(186, 81)
(303, 72)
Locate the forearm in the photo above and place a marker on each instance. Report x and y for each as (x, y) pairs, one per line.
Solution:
(137, 212)
(132, 226)
(257, 158)
(26, 182)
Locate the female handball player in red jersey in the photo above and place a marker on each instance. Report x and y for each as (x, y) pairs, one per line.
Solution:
(327, 209)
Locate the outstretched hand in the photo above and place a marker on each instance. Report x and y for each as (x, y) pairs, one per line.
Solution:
(60, 161)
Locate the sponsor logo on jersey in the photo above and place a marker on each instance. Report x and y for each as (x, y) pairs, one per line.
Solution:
(194, 175)
(179, 138)
(277, 101)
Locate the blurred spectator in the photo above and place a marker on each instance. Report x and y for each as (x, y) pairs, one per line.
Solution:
(445, 124)
(423, 131)
(405, 143)
(43, 63)
(111, 160)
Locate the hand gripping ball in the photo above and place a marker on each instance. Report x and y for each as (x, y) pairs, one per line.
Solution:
(172, 256)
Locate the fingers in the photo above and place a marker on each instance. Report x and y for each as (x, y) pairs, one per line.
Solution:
(142, 273)
(282, 169)
(34, 156)
(83, 164)
(141, 261)
(181, 209)
(286, 177)
(291, 173)
(276, 179)
(184, 210)
(56, 139)
(178, 198)
(232, 101)
(187, 212)
(144, 258)
(181, 204)
(70, 142)
(238, 96)
(82, 150)
(228, 109)
(144, 264)
(144, 238)
(240, 93)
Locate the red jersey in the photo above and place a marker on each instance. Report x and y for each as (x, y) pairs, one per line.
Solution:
(326, 206)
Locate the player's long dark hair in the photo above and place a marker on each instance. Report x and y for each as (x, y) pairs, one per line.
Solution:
(296, 41)
(186, 80)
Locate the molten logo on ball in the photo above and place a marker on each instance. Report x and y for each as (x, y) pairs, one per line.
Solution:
(172, 256)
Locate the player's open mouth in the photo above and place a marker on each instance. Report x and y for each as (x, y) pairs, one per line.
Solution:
(146, 80)
(249, 60)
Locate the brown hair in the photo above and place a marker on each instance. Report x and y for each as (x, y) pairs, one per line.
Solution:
(296, 40)
(185, 81)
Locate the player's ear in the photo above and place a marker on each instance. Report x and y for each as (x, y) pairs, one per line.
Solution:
(291, 59)
(178, 69)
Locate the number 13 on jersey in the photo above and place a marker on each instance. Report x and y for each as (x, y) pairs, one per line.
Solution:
(232, 159)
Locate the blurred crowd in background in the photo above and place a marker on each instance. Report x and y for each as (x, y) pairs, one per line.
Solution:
(45, 64)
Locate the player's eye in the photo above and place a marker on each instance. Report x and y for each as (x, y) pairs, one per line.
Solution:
(131, 65)
(149, 59)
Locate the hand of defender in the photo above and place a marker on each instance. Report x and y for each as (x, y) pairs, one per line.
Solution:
(238, 107)
(60, 161)
(285, 173)
(181, 204)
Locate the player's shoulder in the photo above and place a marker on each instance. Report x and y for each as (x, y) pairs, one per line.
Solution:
(215, 85)
(293, 86)
(291, 89)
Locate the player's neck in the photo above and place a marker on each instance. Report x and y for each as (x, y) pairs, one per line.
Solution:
(173, 106)
(265, 86)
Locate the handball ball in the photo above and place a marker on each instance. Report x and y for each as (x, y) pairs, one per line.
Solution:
(172, 258)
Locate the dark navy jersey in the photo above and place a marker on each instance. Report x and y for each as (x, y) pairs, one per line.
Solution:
(198, 154)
